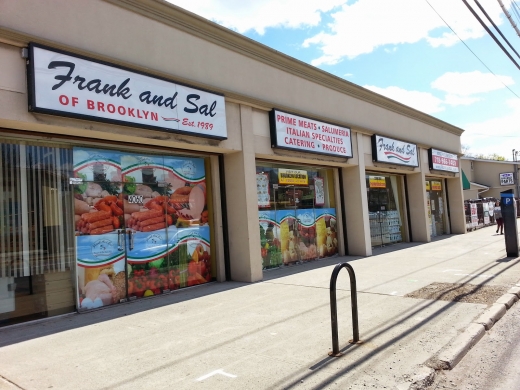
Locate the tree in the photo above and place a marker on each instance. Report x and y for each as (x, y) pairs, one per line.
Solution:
(492, 156)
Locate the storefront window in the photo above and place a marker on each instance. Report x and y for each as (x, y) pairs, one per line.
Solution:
(142, 225)
(384, 196)
(297, 214)
(435, 206)
(37, 241)
(102, 225)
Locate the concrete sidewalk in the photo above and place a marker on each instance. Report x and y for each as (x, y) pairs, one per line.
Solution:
(274, 334)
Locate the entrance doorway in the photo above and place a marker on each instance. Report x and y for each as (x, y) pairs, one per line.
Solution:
(142, 225)
(297, 215)
(435, 202)
(296, 204)
(384, 195)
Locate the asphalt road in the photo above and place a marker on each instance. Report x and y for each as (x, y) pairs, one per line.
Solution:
(493, 363)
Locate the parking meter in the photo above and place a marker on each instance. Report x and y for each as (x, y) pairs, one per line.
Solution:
(508, 207)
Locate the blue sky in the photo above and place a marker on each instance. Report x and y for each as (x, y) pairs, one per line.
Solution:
(401, 49)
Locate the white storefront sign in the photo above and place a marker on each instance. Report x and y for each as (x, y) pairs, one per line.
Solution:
(388, 150)
(67, 85)
(294, 132)
(507, 179)
(443, 161)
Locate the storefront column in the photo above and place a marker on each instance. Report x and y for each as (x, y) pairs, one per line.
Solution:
(242, 206)
(417, 207)
(456, 205)
(356, 205)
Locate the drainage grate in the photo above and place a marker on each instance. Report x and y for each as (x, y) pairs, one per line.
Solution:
(460, 292)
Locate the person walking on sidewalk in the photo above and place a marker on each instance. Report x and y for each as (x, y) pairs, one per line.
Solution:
(498, 217)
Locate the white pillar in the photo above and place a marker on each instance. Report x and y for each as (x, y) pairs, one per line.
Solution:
(242, 206)
(356, 204)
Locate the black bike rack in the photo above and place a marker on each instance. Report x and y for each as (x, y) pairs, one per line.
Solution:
(334, 307)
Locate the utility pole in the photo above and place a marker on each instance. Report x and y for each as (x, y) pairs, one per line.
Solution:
(506, 12)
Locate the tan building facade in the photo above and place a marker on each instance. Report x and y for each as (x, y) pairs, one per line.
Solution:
(487, 178)
(146, 149)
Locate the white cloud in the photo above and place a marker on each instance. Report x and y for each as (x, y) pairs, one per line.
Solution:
(497, 135)
(459, 88)
(392, 50)
(258, 15)
(470, 83)
(455, 100)
(365, 25)
(422, 101)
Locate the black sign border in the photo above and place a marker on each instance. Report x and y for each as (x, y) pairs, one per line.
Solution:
(31, 87)
(430, 161)
(274, 140)
(374, 151)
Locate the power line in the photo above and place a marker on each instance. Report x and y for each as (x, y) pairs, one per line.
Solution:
(496, 28)
(491, 33)
(515, 10)
(495, 136)
(472, 52)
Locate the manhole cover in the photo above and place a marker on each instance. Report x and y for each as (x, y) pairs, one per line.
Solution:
(460, 292)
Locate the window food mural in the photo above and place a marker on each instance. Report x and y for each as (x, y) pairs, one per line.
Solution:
(142, 225)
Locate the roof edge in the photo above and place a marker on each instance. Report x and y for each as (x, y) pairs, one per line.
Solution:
(193, 24)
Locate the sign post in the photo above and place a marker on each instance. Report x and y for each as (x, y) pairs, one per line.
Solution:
(508, 207)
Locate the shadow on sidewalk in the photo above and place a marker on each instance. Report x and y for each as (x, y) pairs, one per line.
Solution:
(31, 330)
(9, 336)
(370, 334)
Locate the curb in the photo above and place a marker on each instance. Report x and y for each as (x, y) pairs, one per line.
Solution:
(449, 356)
(453, 352)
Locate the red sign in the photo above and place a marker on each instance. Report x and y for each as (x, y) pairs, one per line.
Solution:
(443, 161)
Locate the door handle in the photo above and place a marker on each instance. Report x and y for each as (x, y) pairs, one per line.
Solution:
(131, 239)
(120, 240)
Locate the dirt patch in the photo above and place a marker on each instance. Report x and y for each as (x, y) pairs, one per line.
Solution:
(460, 292)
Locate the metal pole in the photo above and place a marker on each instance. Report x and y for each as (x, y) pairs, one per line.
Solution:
(515, 170)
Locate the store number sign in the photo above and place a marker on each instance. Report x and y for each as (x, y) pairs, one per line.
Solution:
(507, 179)
(135, 199)
(294, 132)
(64, 84)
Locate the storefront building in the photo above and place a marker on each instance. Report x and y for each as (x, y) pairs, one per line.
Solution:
(488, 178)
(131, 170)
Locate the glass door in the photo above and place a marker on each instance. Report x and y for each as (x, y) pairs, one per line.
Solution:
(384, 207)
(436, 207)
(295, 211)
(99, 210)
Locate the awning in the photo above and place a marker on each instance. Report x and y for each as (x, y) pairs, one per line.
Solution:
(465, 181)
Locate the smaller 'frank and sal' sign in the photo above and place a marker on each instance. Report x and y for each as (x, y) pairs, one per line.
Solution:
(392, 151)
(65, 84)
(294, 132)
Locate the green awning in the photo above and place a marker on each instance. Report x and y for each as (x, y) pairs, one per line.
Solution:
(465, 181)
